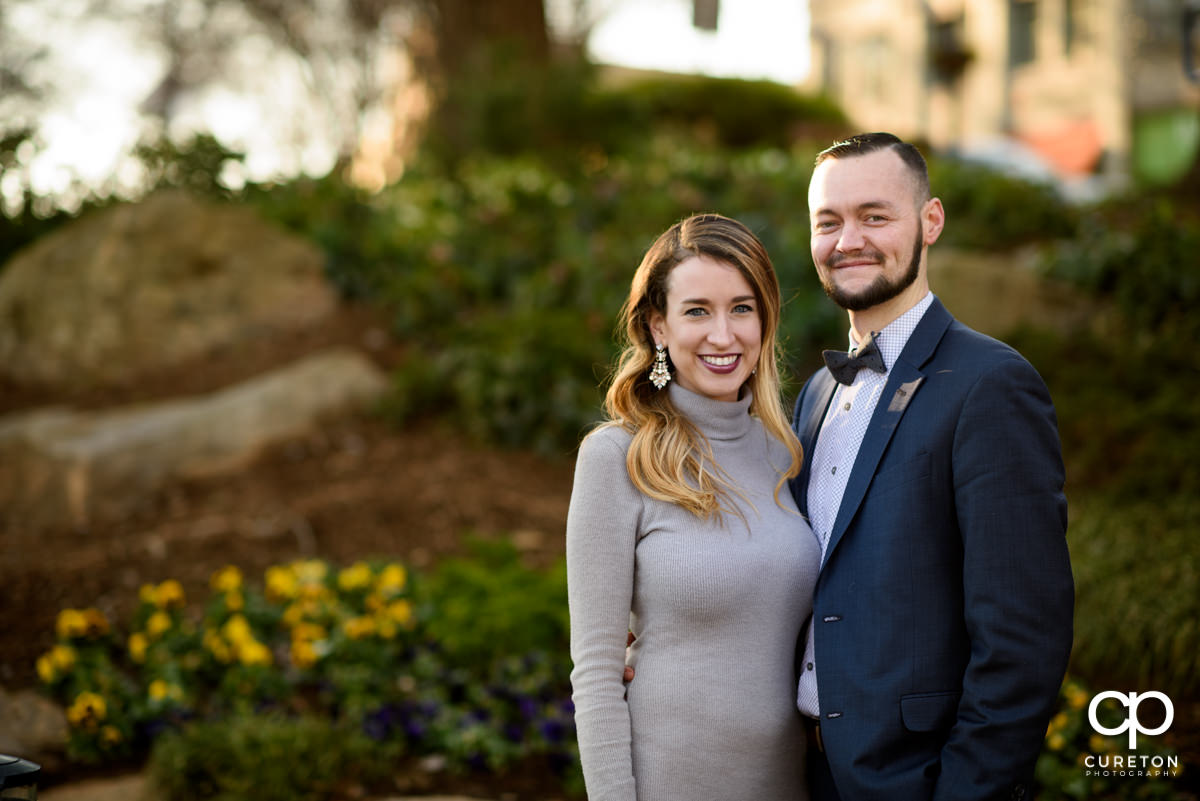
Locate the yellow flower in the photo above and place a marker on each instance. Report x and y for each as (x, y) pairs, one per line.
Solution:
(87, 711)
(1077, 698)
(234, 601)
(1098, 743)
(304, 654)
(281, 583)
(148, 595)
(169, 595)
(71, 623)
(308, 632)
(110, 735)
(217, 646)
(138, 643)
(1055, 742)
(356, 577)
(45, 669)
(160, 690)
(1059, 721)
(252, 652)
(237, 630)
(227, 579)
(392, 579)
(314, 592)
(63, 657)
(357, 628)
(400, 611)
(312, 571)
(95, 622)
(294, 615)
(158, 624)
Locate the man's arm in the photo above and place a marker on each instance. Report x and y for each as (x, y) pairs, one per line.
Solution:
(1017, 584)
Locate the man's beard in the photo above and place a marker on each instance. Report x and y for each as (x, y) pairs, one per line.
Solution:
(881, 289)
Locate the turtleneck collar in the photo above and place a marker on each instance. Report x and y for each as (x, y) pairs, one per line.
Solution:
(717, 420)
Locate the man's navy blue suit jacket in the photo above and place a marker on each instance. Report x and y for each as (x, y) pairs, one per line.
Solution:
(943, 609)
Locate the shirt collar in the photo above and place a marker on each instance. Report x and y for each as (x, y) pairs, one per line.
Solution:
(894, 336)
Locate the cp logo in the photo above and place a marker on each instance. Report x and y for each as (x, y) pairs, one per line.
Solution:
(1131, 723)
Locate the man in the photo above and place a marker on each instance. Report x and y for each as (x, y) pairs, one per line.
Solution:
(933, 478)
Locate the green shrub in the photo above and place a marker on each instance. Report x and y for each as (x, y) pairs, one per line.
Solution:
(1137, 580)
(987, 209)
(266, 758)
(491, 606)
(735, 113)
(506, 279)
(1143, 257)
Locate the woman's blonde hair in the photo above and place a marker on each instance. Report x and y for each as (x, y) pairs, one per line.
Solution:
(669, 458)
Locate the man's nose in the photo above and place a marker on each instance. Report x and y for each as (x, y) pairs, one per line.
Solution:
(850, 239)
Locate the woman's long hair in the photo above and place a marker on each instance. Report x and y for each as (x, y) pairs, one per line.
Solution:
(669, 458)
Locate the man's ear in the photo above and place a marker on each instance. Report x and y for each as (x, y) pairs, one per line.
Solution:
(933, 218)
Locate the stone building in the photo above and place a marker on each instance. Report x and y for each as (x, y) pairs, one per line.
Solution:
(1091, 86)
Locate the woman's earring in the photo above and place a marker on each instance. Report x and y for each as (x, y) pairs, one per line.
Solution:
(660, 375)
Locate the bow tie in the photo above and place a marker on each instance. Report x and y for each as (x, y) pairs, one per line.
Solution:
(845, 366)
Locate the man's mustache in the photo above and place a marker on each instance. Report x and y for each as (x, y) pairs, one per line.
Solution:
(836, 259)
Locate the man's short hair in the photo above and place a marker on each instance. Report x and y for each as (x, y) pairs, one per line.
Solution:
(864, 143)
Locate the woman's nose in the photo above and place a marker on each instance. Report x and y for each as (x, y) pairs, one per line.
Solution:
(721, 333)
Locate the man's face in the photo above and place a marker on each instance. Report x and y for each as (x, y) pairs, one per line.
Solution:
(869, 230)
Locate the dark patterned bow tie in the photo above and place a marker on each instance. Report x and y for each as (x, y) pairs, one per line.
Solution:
(845, 366)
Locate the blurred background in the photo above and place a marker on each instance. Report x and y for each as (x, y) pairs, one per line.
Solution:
(306, 304)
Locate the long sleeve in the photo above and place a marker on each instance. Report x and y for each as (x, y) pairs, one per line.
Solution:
(1018, 591)
(602, 528)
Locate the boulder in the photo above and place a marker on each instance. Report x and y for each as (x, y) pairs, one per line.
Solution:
(32, 727)
(64, 467)
(135, 287)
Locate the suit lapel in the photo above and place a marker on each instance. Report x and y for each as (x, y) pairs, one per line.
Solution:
(905, 378)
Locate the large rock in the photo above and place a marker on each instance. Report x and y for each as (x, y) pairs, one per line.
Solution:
(136, 287)
(32, 727)
(60, 467)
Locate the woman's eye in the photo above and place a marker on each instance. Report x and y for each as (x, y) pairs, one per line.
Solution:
(743, 308)
(695, 312)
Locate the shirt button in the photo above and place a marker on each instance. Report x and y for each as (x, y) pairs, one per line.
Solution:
(809, 666)
(834, 471)
(846, 407)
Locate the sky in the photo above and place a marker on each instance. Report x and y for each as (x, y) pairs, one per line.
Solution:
(90, 129)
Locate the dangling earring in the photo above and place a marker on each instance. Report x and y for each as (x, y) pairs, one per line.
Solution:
(660, 375)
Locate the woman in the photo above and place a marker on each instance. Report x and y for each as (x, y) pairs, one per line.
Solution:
(681, 530)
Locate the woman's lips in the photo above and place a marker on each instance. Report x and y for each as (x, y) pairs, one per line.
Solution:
(721, 364)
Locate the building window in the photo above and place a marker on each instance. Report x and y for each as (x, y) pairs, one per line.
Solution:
(1021, 17)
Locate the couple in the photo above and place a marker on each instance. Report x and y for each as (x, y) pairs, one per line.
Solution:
(873, 604)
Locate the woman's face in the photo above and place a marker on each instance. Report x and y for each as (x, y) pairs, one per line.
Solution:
(711, 327)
